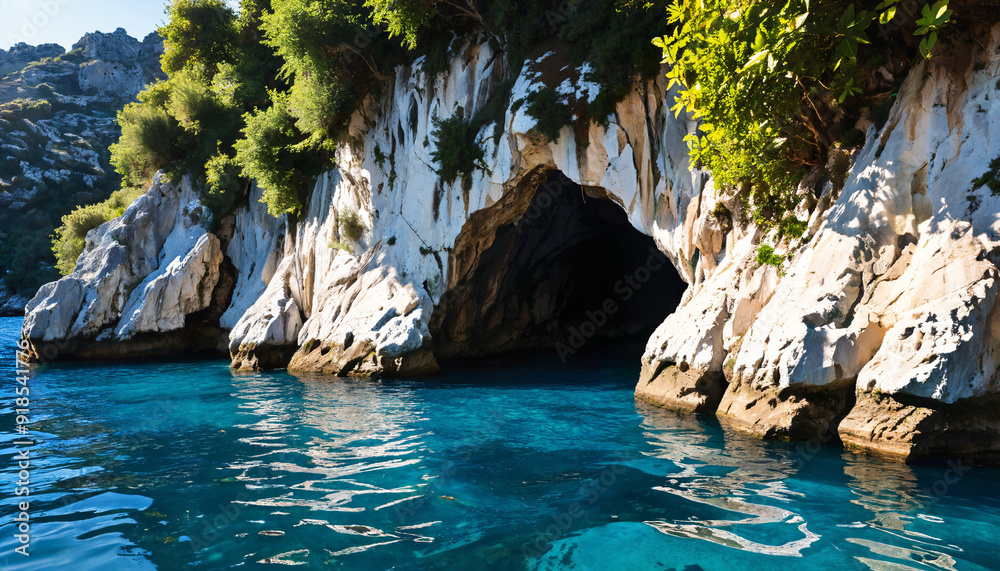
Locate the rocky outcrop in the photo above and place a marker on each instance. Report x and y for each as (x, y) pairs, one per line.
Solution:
(883, 328)
(117, 64)
(22, 54)
(11, 304)
(146, 274)
(880, 327)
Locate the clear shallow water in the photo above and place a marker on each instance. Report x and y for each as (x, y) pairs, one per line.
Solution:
(533, 465)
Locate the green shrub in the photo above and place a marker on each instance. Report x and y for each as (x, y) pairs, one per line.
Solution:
(70, 238)
(30, 109)
(271, 153)
(198, 32)
(149, 141)
(351, 225)
(990, 179)
(551, 113)
(791, 227)
(222, 178)
(456, 150)
(192, 102)
(45, 90)
(766, 256)
(317, 39)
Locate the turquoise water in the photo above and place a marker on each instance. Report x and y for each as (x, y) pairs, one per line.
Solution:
(526, 465)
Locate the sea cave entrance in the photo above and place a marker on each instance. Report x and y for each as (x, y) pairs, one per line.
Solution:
(569, 274)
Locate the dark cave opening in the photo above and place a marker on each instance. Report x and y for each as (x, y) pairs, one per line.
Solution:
(571, 274)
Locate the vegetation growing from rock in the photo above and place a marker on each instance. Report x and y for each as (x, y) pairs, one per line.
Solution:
(70, 238)
(550, 112)
(791, 227)
(351, 225)
(30, 109)
(767, 257)
(775, 86)
(269, 93)
(270, 152)
(456, 150)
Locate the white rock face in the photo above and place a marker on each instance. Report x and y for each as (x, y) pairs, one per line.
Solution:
(184, 286)
(894, 293)
(143, 272)
(255, 250)
(901, 253)
(116, 68)
(381, 288)
(891, 291)
(111, 78)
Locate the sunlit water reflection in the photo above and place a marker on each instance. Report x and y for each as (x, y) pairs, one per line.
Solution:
(532, 465)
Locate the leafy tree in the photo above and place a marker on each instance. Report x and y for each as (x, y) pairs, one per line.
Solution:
(402, 18)
(271, 152)
(148, 142)
(314, 37)
(198, 32)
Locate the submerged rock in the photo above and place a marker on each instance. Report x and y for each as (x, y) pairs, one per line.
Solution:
(11, 304)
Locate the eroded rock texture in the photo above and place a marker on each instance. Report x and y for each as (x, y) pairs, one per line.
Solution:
(884, 325)
(881, 328)
(147, 284)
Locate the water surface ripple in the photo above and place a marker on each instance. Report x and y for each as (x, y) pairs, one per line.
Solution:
(525, 465)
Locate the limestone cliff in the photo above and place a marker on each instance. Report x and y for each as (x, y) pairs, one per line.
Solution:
(881, 327)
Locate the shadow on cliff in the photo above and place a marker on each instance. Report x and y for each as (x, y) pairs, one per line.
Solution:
(568, 275)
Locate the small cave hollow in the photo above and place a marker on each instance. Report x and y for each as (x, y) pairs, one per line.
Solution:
(570, 273)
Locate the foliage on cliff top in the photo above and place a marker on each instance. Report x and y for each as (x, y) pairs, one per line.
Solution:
(262, 95)
(775, 85)
(295, 71)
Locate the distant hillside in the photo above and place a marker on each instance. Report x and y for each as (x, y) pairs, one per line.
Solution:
(57, 118)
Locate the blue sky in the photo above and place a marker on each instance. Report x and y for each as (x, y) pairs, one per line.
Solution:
(64, 22)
